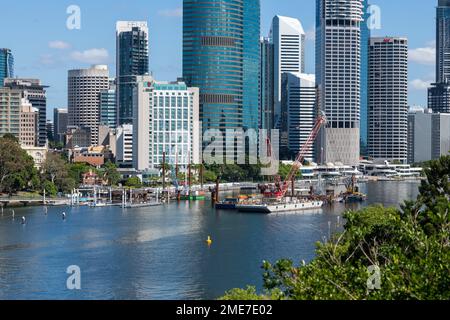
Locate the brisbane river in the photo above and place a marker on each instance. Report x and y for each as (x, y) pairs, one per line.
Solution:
(160, 252)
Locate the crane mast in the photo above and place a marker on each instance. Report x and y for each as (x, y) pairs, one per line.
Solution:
(284, 186)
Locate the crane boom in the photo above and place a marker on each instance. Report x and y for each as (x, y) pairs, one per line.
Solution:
(321, 120)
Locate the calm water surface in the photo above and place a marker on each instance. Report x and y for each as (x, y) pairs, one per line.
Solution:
(158, 253)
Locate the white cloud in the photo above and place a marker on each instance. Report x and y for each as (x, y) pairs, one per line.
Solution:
(426, 55)
(59, 45)
(419, 84)
(311, 34)
(94, 56)
(171, 13)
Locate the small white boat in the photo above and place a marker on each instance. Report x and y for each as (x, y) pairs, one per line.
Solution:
(279, 207)
(143, 205)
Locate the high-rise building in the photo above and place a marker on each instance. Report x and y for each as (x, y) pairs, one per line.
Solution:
(50, 128)
(84, 87)
(60, 123)
(132, 59)
(298, 96)
(166, 121)
(108, 106)
(443, 42)
(439, 97)
(439, 92)
(266, 84)
(364, 100)
(288, 38)
(35, 93)
(6, 65)
(428, 135)
(10, 105)
(221, 58)
(124, 146)
(28, 124)
(388, 99)
(338, 74)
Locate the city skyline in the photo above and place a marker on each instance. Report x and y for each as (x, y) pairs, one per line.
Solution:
(54, 49)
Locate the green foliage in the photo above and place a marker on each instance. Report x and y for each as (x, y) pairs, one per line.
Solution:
(111, 174)
(209, 176)
(56, 170)
(410, 246)
(17, 171)
(50, 188)
(133, 182)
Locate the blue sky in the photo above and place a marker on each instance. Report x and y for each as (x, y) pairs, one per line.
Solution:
(44, 48)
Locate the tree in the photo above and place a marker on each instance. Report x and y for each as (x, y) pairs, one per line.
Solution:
(111, 175)
(56, 170)
(50, 188)
(16, 166)
(133, 182)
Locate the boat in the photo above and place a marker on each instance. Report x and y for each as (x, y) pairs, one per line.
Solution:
(194, 196)
(143, 205)
(355, 197)
(227, 204)
(275, 207)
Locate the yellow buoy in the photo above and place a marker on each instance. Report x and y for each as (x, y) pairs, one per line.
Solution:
(209, 241)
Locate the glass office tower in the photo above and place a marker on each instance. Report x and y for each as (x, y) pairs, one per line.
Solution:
(6, 65)
(443, 42)
(132, 60)
(365, 38)
(221, 57)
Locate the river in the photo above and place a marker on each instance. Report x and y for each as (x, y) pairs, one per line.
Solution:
(160, 252)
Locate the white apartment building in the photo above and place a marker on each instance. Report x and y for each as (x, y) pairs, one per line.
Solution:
(166, 121)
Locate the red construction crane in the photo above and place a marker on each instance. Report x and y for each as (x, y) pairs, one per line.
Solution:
(282, 188)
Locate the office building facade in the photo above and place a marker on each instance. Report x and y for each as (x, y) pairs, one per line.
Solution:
(166, 122)
(33, 91)
(338, 74)
(10, 105)
(132, 59)
(388, 99)
(428, 135)
(364, 100)
(108, 106)
(6, 65)
(124, 146)
(288, 38)
(28, 124)
(266, 84)
(60, 123)
(298, 96)
(443, 42)
(84, 87)
(221, 43)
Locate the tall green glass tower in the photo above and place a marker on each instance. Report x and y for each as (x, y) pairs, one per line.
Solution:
(221, 56)
(6, 65)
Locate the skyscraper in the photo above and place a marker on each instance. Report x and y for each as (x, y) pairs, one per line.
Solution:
(221, 58)
(132, 55)
(338, 72)
(108, 106)
(84, 87)
(288, 38)
(266, 84)
(60, 123)
(365, 37)
(6, 65)
(388, 99)
(299, 97)
(439, 92)
(443, 42)
(166, 121)
(10, 105)
(35, 93)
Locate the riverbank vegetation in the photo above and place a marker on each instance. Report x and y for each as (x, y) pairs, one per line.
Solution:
(383, 253)
(18, 173)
